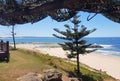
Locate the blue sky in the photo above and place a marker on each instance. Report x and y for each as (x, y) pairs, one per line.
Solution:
(44, 28)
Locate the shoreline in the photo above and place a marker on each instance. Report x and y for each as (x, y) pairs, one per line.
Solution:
(108, 64)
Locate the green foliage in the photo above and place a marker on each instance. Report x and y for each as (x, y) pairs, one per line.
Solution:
(30, 11)
(76, 45)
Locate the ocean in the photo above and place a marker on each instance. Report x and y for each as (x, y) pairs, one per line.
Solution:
(111, 44)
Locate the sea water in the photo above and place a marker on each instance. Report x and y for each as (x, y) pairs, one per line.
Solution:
(111, 45)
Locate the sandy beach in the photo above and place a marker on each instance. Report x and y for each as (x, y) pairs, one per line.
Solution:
(109, 64)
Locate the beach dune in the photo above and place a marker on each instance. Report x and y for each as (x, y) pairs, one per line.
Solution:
(108, 64)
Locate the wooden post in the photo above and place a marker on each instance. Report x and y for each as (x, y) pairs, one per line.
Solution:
(1, 45)
(7, 51)
(7, 46)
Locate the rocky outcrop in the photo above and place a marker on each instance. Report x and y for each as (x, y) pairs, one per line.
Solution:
(30, 77)
(95, 46)
(52, 75)
(75, 79)
(49, 75)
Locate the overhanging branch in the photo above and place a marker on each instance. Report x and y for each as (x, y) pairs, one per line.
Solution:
(39, 9)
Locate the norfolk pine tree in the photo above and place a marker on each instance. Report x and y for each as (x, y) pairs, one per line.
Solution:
(75, 44)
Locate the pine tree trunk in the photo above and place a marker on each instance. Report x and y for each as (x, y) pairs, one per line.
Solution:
(78, 65)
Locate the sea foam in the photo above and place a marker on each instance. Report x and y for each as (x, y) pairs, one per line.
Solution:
(106, 46)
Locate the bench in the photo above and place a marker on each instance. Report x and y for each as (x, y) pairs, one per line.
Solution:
(4, 51)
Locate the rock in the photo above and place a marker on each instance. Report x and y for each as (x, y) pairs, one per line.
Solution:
(52, 75)
(31, 77)
(75, 79)
(95, 46)
(49, 75)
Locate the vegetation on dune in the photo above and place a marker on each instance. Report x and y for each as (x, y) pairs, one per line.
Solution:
(25, 61)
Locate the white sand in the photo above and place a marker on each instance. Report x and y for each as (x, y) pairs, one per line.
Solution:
(109, 64)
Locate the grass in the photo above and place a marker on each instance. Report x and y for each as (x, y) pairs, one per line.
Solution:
(25, 61)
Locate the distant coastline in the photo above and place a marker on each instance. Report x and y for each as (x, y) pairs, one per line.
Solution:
(53, 37)
(111, 44)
